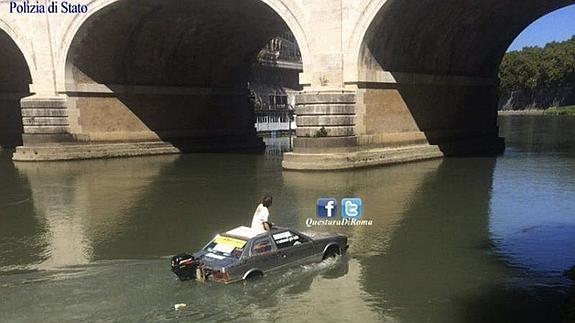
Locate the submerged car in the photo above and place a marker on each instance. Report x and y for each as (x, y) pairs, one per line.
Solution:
(243, 253)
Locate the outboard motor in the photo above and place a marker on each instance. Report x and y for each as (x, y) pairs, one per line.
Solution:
(184, 266)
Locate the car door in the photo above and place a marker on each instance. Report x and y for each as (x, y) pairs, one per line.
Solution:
(262, 254)
(292, 248)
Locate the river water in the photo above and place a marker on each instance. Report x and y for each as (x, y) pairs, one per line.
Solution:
(453, 240)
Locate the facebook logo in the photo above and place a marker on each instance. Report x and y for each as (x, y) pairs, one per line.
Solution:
(326, 208)
(351, 208)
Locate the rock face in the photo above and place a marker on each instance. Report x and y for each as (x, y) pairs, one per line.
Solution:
(541, 98)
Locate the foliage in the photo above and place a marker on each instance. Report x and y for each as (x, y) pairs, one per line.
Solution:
(536, 67)
(322, 132)
(561, 111)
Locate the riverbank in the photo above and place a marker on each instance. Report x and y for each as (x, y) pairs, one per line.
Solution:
(530, 112)
(561, 111)
(554, 111)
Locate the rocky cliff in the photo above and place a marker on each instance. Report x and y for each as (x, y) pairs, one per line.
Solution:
(540, 98)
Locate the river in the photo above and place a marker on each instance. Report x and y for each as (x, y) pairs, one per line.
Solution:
(452, 240)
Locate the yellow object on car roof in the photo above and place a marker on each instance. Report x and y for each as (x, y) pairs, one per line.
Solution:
(237, 243)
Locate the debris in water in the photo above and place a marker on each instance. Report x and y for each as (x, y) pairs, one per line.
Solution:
(181, 306)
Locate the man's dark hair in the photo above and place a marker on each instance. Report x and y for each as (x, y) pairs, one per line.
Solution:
(267, 201)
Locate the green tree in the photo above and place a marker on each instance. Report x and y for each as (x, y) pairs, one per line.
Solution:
(536, 67)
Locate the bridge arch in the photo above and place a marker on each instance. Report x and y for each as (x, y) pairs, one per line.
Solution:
(15, 79)
(356, 40)
(19, 38)
(170, 70)
(426, 71)
(288, 10)
(442, 38)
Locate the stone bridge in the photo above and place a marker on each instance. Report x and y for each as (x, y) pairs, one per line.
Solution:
(384, 81)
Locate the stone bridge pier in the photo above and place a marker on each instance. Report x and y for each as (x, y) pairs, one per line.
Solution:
(384, 81)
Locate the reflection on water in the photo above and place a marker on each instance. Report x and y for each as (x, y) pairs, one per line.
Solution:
(276, 146)
(533, 205)
(385, 192)
(81, 204)
(454, 240)
(438, 255)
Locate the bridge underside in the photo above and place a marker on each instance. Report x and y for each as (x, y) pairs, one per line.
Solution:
(426, 87)
(156, 76)
(14, 81)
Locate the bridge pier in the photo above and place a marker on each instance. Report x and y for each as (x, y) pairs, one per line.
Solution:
(135, 122)
(45, 120)
(380, 124)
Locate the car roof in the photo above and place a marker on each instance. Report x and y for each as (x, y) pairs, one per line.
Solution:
(274, 230)
(247, 233)
(244, 232)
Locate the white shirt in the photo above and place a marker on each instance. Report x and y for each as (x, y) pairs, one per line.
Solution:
(260, 216)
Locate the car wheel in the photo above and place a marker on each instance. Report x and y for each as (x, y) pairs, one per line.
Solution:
(254, 275)
(331, 252)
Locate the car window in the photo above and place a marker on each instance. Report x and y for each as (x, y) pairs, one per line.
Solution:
(261, 246)
(287, 239)
(226, 246)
